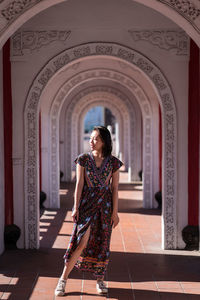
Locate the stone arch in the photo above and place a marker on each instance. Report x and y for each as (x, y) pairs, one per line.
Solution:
(166, 99)
(114, 112)
(147, 131)
(133, 108)
(134, 160)
(102, 98)
(15, 13)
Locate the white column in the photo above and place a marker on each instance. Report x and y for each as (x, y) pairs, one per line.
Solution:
(18, 152)
(155, 154)
(45, 148)
(61, 144)
(117, 139)
(2, 214)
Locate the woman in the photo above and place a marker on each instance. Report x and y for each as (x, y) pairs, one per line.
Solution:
(95, 210)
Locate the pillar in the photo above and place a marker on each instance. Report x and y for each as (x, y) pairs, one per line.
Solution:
(2, 206)
(193, 136)
(7, 110)
(160, 150)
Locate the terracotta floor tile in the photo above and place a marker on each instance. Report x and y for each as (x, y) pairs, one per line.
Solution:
(70, 297)
(119, 285)
(93, 297)
(138, 270)
(146, 295)
(192, 291)
(151, 286)
(171, 290)
(117, 293)
(168, 285)
(192, 285)
(172, 296)
(6, 296)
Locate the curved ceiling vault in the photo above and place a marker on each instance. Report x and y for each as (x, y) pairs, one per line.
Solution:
(14, 13)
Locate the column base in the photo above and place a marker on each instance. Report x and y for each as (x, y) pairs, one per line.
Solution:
(11, 236)
(190, 236)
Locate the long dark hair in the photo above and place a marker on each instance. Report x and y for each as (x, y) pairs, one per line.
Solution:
(105, 136)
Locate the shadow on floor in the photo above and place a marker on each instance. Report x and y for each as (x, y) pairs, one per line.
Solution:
(23, 268)
(28, 265)
(126, 186)
(135, 206)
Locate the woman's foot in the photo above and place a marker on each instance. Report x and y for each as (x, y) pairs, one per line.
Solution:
(60, 289)
(101, 287)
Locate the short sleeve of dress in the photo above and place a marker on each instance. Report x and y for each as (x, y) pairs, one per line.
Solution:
(81, 160)
(116, 164)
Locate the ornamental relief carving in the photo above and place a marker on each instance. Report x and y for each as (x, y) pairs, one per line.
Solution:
(15, 8)
(177, 42)
(169, 121)
(190, 9)
(88, 102)
(24, 41)
(12, 9)
(110, 75)
(112, 102)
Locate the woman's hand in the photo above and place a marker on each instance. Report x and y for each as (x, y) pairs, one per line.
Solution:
(75, 215)
(115, 219)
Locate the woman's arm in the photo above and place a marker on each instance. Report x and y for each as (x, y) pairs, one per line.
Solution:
(78, 190)
(114, 187)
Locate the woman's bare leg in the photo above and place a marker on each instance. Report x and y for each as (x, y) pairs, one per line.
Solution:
(75, 255)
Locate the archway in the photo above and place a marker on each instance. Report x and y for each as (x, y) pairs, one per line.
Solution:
(101, 87)
(147, 128)
(165, 96)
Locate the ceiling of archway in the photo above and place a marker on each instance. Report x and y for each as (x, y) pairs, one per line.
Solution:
(14, 13)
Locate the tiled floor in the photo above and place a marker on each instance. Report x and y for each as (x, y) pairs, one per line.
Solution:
(138, 268)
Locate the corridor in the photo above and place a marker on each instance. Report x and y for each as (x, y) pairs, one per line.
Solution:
(138, 268)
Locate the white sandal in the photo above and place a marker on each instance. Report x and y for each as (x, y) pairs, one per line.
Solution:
(60, 289)
(101, 287)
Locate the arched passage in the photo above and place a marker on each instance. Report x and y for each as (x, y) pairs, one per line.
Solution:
(117, 118)
(159, 83)
(106, 100)
(101, 87)
(147, 128)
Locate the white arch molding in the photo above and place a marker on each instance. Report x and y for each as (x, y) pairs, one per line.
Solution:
(135, 157)
(14, 13)
(155, 76)
(127, 143)
(103, 104)
(117, 121)
(65, 90)
(129, 137)
(147, 128)
(133, 108)
(106, 100)
(103, 96)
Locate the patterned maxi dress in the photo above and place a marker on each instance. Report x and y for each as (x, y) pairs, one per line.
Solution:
(95, 210)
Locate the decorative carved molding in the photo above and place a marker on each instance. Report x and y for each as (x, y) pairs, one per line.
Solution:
(24, 41)
(135, 89)
(92, 93)
(16, 8)
(177, 42)
(12, 9)
(169, 134)
(189, 9)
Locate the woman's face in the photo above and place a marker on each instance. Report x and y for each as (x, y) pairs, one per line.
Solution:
(96, 142)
